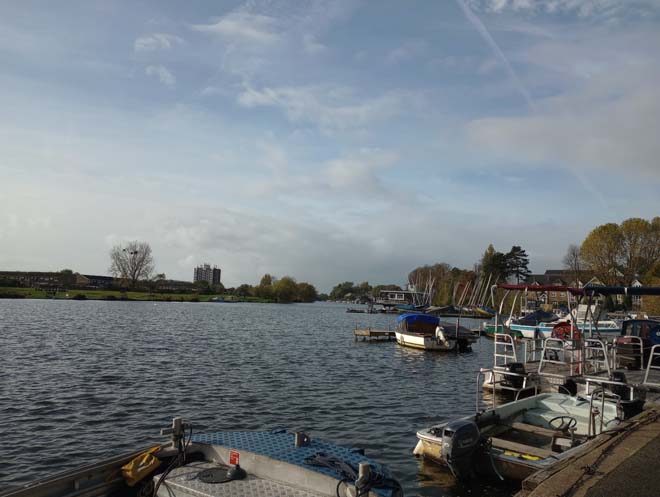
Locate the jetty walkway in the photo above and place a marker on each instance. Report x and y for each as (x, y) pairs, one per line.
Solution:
(623, 463)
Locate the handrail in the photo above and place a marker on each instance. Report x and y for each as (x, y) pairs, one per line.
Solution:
(603, 381)
(655, 351)
(591, 344)
(638, 341)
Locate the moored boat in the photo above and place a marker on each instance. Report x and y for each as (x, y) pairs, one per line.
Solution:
(254, 464)
(423, 331)
(517, 439)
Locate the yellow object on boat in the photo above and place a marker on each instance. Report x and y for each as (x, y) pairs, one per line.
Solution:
(522, 456)
(140, 466)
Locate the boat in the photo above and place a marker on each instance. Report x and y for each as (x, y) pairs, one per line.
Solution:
(633, 347)
(225, 464)
(514, 440)
(423, 331)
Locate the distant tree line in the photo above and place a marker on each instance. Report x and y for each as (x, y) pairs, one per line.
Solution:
(363, 292)
(282, 290)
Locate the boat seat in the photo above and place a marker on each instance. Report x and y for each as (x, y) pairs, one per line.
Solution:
(500, 443)
(532, 429)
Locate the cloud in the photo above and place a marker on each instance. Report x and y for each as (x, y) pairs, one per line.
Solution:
(156, 41)
(620, 134)
(240, 26)
(497, 51)
(164, 75)
(311, 45)
(582, 8)
(329, 107)
(407, 51)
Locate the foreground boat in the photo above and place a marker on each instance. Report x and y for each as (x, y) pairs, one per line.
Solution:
(514, 440)
(423, 331)
(232, 464)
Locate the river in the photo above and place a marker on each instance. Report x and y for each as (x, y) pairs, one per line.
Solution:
(80, 380)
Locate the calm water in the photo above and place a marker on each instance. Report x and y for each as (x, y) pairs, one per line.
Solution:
(83, 380)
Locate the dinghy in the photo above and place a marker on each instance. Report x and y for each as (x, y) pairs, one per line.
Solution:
(225, 464)
(514, 440)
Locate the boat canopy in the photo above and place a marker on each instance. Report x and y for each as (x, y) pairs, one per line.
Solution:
(418, 318)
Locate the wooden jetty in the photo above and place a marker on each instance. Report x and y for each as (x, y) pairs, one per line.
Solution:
(373, 335)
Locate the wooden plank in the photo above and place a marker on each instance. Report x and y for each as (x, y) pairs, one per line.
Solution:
(531, 428)
(500, 443)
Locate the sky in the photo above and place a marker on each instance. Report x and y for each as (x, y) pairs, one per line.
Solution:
(326, 140)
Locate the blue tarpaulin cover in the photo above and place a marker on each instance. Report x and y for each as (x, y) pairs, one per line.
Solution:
(418, 318)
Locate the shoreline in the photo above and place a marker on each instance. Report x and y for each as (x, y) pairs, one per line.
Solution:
(20, 293)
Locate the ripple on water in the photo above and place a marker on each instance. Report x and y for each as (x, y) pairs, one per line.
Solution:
(85, 380)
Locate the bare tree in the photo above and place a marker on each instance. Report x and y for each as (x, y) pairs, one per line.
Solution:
(131, 262)
(573, 261)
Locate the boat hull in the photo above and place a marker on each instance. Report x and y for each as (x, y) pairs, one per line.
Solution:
(424, 342)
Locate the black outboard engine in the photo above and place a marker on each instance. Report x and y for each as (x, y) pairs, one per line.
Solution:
(630, 407)
(460, 440)
(511, 380)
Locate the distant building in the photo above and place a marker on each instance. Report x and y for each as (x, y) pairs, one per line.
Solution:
(93, 281)
(207, 273)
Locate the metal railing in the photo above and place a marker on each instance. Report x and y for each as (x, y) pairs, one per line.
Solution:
(633, 340)
(596, 357)
(529, 382)
(655, 352)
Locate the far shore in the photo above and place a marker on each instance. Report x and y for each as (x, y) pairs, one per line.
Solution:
(118, 295)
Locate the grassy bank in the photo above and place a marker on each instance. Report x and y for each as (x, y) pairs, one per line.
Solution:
(75, 294)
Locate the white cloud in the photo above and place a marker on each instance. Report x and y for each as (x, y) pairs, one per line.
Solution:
(240, 26)
(407, 51)
(156, 41)
(582, 8)
(327, 106)
(619, 134)
(164, 75)
(311, 45)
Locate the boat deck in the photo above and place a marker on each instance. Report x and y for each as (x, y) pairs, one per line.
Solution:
(183, 482)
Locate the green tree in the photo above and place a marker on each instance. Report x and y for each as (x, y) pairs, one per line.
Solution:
(517, 263)
(67, 278)
(243, 290)
(285, 290)
(306, 292)
(265, 288)
(341, 290)
(495, 264)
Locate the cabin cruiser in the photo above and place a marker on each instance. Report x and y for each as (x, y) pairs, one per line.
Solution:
(225, 464)
(514, 440)
(423, 331)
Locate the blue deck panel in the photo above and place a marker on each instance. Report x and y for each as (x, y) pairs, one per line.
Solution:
(280, 446)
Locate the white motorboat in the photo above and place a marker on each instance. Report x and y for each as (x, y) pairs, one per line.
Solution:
(225, 464)
(423, 331)
(517, 439)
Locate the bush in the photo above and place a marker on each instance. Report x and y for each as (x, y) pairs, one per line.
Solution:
(79, 296)
(110, 297)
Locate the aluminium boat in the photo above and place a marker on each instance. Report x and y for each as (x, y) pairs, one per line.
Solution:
(225, 464)
(514, 440)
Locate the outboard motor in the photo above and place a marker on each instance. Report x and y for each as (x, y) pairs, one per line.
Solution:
(460, 440)
(630, 407)
(515, 381)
